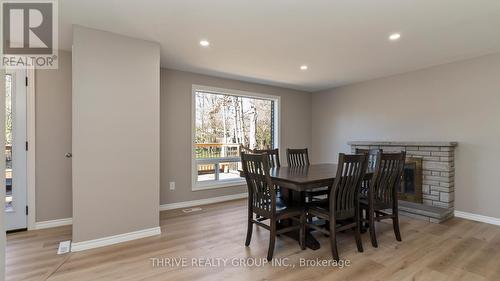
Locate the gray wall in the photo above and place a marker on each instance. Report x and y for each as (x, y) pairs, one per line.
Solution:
(53, 140)
(53, 113)
(463, 100)
(176, 95)
(453, 102)
(116, 134)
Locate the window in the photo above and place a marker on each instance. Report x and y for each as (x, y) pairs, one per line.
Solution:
(223, 121)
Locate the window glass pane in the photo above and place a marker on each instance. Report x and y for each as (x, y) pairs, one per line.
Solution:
(223, 123)
(222, 120)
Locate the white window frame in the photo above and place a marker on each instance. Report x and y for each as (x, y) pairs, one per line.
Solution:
(213, 184)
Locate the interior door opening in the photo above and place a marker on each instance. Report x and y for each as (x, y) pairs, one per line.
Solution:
(15, 150)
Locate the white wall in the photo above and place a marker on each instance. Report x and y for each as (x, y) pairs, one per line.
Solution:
(116, 134)
(453, 102)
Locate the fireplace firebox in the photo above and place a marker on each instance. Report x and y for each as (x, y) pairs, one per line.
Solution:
(411, 183)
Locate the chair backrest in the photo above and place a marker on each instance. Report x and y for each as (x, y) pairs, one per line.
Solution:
(344, 195)
(245, 149)
(387, 178)
(372, 155)
(261, 190)
(273, 156)
(297, 157)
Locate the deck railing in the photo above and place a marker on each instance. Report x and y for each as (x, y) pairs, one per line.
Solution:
(216, 158)
(217, 150)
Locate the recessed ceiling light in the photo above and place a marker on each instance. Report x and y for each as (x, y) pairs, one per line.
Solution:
(303, 67)
(204, 43)
(394, 36)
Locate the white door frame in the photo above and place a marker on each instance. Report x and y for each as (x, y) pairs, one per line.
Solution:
(31, 153)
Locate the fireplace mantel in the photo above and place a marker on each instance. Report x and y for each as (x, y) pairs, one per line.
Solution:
(438, 175)
(405, 143)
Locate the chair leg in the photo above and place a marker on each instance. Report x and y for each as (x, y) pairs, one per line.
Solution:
(302, 235)
(362, 216)
(357, 235)
(395, 225)
(309, 219)
(272, 239)
(333, 239)
(249, 228)
(371, 225)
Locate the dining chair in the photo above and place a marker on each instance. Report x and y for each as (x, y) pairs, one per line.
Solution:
(372, 155)
(382, 193)
(341, 210)
(372, 161)
(272, 154)
(300, 158)
(263, 202)
(297, 157)
(274, 162)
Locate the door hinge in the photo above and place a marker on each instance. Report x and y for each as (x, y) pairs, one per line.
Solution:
(26, 210)
(26, 79)
(27, 146)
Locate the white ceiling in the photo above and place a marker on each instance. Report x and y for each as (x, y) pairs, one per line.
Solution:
(266, 41)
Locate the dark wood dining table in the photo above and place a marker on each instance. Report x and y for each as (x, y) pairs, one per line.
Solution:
(295, 181)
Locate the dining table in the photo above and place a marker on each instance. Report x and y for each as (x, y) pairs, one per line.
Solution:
(295, 181)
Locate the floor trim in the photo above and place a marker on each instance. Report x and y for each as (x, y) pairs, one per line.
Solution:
(53, 223)
(164, 207)
(110, 240)
(475, 217)
(193, 203)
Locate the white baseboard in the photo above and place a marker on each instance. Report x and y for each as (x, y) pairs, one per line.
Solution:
(480, 218)
(110, 240)
(188, 204)
(53, 223)
(164, 207)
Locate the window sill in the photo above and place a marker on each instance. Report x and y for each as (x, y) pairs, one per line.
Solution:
(217, 184)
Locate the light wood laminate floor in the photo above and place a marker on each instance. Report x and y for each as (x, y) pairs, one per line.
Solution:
(455, 250)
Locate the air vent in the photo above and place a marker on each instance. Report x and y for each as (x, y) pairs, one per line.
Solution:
(64, 247)
(190, 210)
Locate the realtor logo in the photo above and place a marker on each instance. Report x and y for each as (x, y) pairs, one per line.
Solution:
(29, 34)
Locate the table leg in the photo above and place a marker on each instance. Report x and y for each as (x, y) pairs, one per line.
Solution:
(298, 198)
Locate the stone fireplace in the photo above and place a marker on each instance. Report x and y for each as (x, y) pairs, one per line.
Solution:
(430, 166)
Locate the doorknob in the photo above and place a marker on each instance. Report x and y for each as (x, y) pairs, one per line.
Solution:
(68, 155)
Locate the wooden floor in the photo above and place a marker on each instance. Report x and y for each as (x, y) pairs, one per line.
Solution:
(456, 250)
